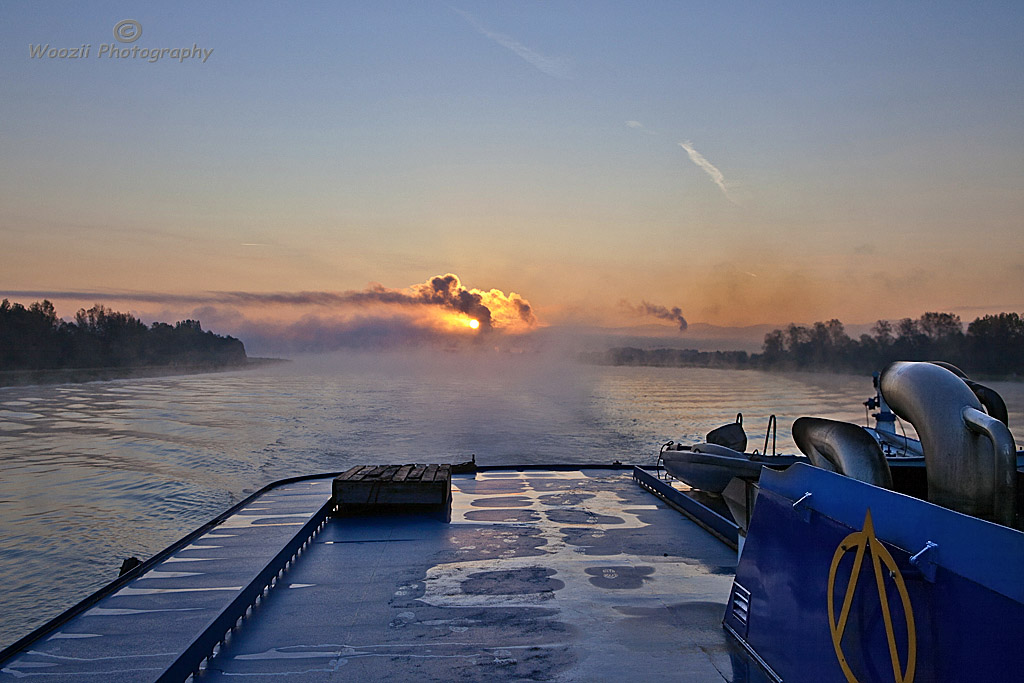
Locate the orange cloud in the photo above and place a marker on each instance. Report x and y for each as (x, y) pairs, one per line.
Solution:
(441, 310)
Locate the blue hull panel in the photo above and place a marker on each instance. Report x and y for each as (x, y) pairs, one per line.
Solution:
(956, 613)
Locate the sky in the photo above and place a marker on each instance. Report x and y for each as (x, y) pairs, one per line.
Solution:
(609, 163)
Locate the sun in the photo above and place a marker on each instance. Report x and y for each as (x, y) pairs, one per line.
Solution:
(474, 324)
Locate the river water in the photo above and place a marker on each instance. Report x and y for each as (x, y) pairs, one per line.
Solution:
(93, 473)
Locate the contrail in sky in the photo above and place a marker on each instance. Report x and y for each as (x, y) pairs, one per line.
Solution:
(695, 156)
(636, 125)
(709, 168)
(557, 68)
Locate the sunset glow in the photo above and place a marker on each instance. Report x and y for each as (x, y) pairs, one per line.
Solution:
(853, 162)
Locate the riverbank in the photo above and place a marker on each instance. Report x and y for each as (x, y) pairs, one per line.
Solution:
(741, 360)
(20, 378)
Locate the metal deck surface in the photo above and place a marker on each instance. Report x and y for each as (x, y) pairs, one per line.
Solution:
(540, 575)
(138, 631)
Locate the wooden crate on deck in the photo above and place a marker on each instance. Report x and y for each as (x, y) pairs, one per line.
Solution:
(380, 489)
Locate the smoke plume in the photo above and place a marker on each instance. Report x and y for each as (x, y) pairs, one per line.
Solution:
(675, 314)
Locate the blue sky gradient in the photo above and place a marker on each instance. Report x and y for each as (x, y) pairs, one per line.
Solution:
(872, 154)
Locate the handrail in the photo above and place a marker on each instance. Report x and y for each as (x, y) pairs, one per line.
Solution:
(661, 456)
(773, 428)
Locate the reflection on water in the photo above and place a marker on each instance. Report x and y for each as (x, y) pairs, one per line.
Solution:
(93, 473)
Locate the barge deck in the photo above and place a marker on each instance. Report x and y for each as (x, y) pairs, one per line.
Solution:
(562, 574)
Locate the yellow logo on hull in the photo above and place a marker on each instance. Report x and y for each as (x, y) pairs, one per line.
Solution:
(861, 542)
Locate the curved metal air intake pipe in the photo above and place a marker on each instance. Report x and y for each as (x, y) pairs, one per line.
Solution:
(970, 456)
(989, 397)
(844, 448)
(949, 366)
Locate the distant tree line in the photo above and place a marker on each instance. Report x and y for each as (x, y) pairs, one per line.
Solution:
(34, 338)
(992, 344)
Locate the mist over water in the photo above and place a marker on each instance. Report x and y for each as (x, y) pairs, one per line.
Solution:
(93, 473)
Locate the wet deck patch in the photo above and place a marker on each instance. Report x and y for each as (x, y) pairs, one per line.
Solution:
(503, 515)
(502, 502)
(512, 582)
(581, 517)
(619, 578)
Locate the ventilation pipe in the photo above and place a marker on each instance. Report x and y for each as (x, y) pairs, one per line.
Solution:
(844, 448)
(970, 455)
